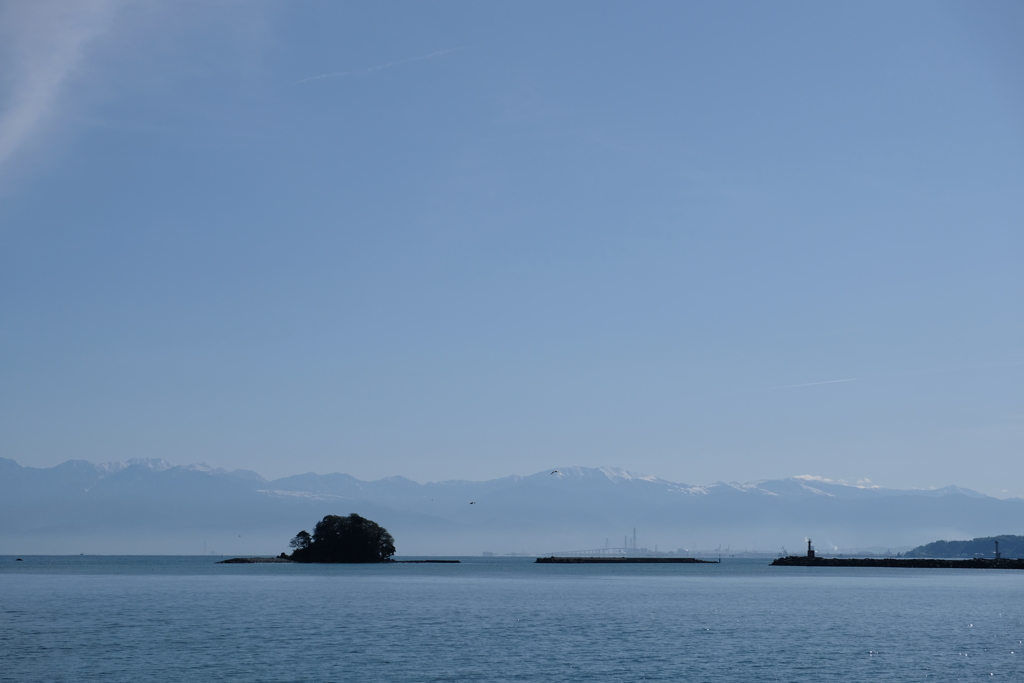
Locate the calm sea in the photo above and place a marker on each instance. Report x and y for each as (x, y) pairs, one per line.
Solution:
(188, 619)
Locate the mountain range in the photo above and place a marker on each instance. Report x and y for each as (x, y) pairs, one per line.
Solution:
(151, 507)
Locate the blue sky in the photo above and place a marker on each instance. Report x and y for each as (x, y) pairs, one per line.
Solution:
(462, 240)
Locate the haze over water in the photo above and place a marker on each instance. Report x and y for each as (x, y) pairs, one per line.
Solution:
(185, 618)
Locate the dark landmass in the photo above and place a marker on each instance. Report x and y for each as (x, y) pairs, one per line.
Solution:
(1009, 546)
(351, 539)
(623, 560)
(257, 560)
(340, 540)
(976, 563)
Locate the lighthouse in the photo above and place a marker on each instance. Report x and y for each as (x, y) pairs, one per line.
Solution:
(810, 548)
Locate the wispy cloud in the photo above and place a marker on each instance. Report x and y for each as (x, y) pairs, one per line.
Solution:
(814, 384)
(44, 43)
(788, 386)
(380, 67)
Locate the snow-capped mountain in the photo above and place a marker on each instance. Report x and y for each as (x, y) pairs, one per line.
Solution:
(150, 506)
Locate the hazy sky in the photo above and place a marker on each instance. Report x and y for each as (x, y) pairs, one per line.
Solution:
(703, 241)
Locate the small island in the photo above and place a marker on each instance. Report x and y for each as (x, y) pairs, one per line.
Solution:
(349, 539)
(339, 540)
(335, 539)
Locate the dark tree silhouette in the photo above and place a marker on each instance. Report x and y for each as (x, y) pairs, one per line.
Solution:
(344, 539)
(301, 540)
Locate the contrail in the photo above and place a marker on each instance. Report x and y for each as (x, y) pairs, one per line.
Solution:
(379, 67)
(814, 384)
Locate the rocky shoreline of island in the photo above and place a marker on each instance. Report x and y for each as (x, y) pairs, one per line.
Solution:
(258, 560)
(286, 560)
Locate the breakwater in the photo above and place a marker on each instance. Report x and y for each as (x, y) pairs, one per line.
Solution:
(426, 561)
(284, 560)
(924, 563)
(622, 560)
(257, 560)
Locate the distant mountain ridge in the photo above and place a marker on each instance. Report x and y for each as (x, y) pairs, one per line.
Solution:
(148, 505)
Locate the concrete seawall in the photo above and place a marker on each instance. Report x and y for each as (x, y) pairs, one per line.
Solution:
(623, 560)
(977, 563)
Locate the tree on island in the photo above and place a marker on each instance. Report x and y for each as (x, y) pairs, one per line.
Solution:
(344, 539)
(301, 541)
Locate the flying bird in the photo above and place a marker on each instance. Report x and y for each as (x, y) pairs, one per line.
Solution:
(472, 502)
(555, 472)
